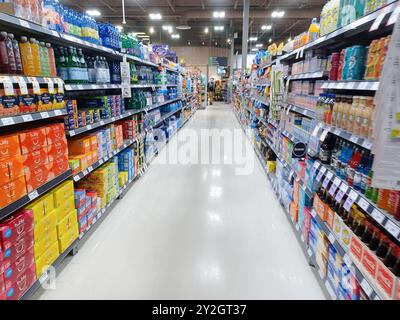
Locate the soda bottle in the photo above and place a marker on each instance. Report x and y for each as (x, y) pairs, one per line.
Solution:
(12, 64)
(84, 67)
(62, 69)
(52, 60)
(351, 168)
(26, 57)
(91, 70)
(44, 60)
(37, 68)
(17, 53)
(73, 66)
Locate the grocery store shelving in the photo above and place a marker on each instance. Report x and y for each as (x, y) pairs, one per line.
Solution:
(346, 33)
(364, 85)
(29, 117)
(141, 61)
(263, 101)
(97, 164)
(165, 117)
(368, 287)
(16, 79)
(13, 207)
(308, 75)
(304, 111)
(79, 87)
(387, 221)
(267, 65)
(145, 86)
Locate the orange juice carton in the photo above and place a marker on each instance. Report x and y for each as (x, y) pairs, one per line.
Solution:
(55, 132)
(45, 100)
(11, 169)
(12, 191)
(16, 227)
(15, 290)
(9, 146)
(79, 146)
(35, 159)
(32, 139)
(36, 177)
(27, 103)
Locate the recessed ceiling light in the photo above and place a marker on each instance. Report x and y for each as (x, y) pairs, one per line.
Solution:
(151, 30)
(259, 45)
(155, 16)
(270, 40)
(168, 28)
(254, 49)
(206, 30)
(277, 14)
(219, 14)
(119, 28)
(93, 13)
(266, 27)
(175, 36)
(184, 27)
(218, 28)
(253, 39)
(202, 43)
(229, 40)
(142, 36)
(189, 43)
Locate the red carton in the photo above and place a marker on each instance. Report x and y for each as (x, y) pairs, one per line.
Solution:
(16, 227)
(356, 248)
(2, 285)
(15, 290)
(32, 139)
(18, 267)
(386, 280)
(55, 132)
(17, 249)
(370, 262)
(9, 146)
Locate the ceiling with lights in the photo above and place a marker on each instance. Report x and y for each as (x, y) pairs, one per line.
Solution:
(204, 22)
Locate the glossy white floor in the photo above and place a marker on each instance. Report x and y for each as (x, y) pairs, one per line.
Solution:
(192, 232)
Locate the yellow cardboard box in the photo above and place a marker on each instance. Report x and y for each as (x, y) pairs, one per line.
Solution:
(65, 208)
(44, 244)
(68, 223)
(47, 258)
(66, 240)
(63, 192)
(46, 226)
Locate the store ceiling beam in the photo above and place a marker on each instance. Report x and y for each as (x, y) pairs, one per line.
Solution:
(171, 6)
(235, 5)
(203, 6)
(140, 6)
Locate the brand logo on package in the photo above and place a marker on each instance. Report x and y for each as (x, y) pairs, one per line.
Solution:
(299, 150)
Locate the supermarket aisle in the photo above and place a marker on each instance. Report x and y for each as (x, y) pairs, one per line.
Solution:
(192, 232)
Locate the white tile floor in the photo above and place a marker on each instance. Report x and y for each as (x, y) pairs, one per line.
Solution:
(192, 232)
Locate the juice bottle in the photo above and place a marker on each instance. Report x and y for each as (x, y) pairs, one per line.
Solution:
(52, 60)
(365, 116)
(335, 110)
(393, 201)
(3, 53)
(352, 165)
(27, 57)
(383, 198)
(371, 122)
(313, 31)
(45, 60)
(346, 112)
(37, 68)
(12, 64)
(358, 114)
(17, 53)
(352, 114)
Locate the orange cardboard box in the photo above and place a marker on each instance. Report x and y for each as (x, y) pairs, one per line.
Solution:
(294, 211)
(11, 169)
(93, 143)
(35, 159)
(82, 161)
(12, 191)
(386, 280)
(36, 177)
(9, 146)
(33, 139)
(59, 166)
(95, 156)
(329, 217)
(56, 151)
(79, 146)
(319, 207)
(55, 132)
(296, 192)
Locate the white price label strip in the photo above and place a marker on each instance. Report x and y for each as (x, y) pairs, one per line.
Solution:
(364, 204)
(354, 138)
(33, 195)
(366, 287)
(323, 135)
(44, 115)
(309, 252)
(392, 228)
(377, 22)
(331, 238)
(22, 84)
(7, 121)
(378, 216)
(367, 144)
(347, 260)
(24, 23)
(27, 117)
(335, 185)
(57, 112)
(393, 16)
(35, 85)
(8, 86)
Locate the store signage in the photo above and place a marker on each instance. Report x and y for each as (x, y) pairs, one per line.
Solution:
(299, 150)
(218, 61)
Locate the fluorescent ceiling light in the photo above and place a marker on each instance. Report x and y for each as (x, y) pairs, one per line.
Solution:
(142, 36)
(277, 14)
(270, 40)
(151, 30)
(206, 30)
(93, 13)
(175, 36)
(254, 49)
(168, 28)
(259, 45)
(218, 28)
(119, 28)
(219, 14)
(155, 16)
(253, 39)
(266, 27)
(137, 33)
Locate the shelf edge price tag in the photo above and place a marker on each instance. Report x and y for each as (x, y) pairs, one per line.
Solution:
(58, 112)
(342, 190)
(392, 228)
(366, 287)
(44, 115)
(24, 23)
(335, 186)
(378, 216)
(33, 195)
(377, 22)
(321, 173)
(327, 179)
(347, 260)
(331, 238)
(35, 85)
(363, 204)
(8, 86)
(22, 84)
(353, 138)
(323, 135)
(27, 117)
(350, 200)
(50, 84)
(7, 121)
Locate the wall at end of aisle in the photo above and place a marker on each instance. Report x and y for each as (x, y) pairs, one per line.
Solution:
(198, 56)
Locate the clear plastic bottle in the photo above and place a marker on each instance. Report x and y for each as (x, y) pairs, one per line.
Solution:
(62, 69)
(17, 53)
(12, 64)
(91, 70)
(84, 67)
(26, 57)
(313, 31)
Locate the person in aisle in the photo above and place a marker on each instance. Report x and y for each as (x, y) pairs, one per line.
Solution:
(211, 89)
